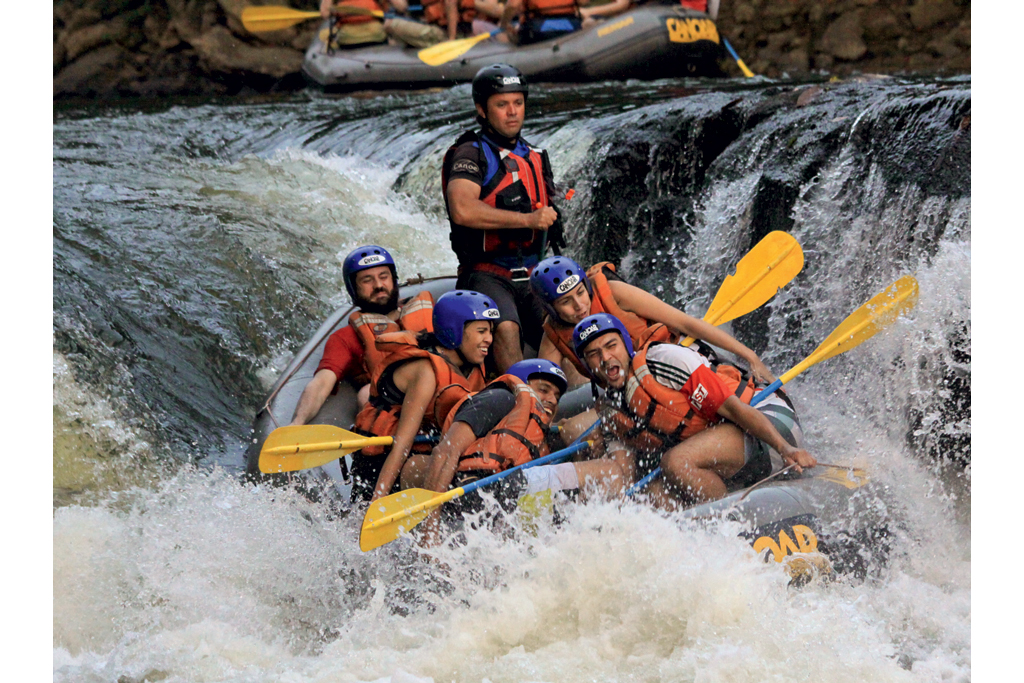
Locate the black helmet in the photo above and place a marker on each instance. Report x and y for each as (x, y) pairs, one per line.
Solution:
(497, 78)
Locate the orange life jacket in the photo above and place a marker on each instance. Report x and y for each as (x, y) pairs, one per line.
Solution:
(357, 18)
(657, 417)
(379, 419)
(434, 12)
(551, 8)
(512, 182)
(517, 439)
(601, 301)
(416, 315)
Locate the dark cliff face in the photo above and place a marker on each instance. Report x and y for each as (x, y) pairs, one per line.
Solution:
(152, 48)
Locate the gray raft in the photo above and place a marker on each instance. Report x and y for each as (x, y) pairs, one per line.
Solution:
(828, 516)
(652, 41)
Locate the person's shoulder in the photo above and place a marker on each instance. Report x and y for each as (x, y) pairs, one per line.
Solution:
(683, 357)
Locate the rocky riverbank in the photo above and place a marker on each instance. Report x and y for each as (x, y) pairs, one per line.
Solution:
(151, 48)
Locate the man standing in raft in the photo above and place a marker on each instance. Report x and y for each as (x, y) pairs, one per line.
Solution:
(570, 294)
(350, 353)
(666, 399)
(419, 380)
(497, 191)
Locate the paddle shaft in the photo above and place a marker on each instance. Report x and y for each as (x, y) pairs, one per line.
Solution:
(746, 290)
(743, 67)
(462, 490)
(348, 444)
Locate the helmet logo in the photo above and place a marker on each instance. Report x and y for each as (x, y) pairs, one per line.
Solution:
(589, 331)
(568, 284)
(510, 80)
(370, 260)
(491, 313)
(555, 370)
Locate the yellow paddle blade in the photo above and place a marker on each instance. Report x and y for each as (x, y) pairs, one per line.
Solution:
(439, 54)
(273, 18)
(391, 516)
(877, 314)
(301, 447)
(766, 268)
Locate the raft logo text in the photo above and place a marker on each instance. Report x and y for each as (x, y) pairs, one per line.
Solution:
(806, 542)
(691, 30)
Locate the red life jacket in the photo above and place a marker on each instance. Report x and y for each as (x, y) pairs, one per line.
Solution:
(551, 8)
(379, 419)
(601, 301)
(434, 12)
(512, 182)
(699, 5)
(357, 18)
(657, 417)
(416, 315)
(517, 439)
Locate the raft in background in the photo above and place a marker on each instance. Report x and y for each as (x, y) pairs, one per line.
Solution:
(827, 520)
(649, 42)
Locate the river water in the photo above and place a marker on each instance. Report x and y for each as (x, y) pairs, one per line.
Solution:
(197, 245)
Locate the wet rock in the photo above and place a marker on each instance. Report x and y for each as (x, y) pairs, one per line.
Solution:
(95, 73)
(844, 38)
(154, 27)
(222, 51)
(795, 61)
(808, 95)
(59, 56)
(86, 16)
(927, 13)
(745, 13)
(962, 34)
(81, 41)
(880, 23)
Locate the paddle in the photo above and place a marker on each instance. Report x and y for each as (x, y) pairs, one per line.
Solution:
(399, 513)
(743, 67)
(864, 323)
(274, 18)
(766, 268)
(301, 447)
(442, 53)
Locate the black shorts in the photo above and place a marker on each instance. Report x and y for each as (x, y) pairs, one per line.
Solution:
(365, 473)
(515, 302)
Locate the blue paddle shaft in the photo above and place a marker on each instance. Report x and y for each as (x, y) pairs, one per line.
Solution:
(547, 459)
(729, 48)
(656, 472)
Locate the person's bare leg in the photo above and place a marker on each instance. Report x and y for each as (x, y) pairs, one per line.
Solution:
(506, 346)
(696, 468)
(603, 476)
(363, 396)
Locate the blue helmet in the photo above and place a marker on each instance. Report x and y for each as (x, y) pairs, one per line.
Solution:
(538, 367)
(456, 308)
(593, 326)
(555, 277)
(362, 258)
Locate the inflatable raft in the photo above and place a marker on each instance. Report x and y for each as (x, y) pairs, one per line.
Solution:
(652, 41)
(829, 519)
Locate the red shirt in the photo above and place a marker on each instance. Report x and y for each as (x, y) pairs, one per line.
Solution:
(683, 369)
(343, 354)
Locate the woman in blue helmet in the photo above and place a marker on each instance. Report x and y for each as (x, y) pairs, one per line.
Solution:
(569, 294)
(419, 380)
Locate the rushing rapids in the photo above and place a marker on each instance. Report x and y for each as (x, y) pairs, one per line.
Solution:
(197, 246)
